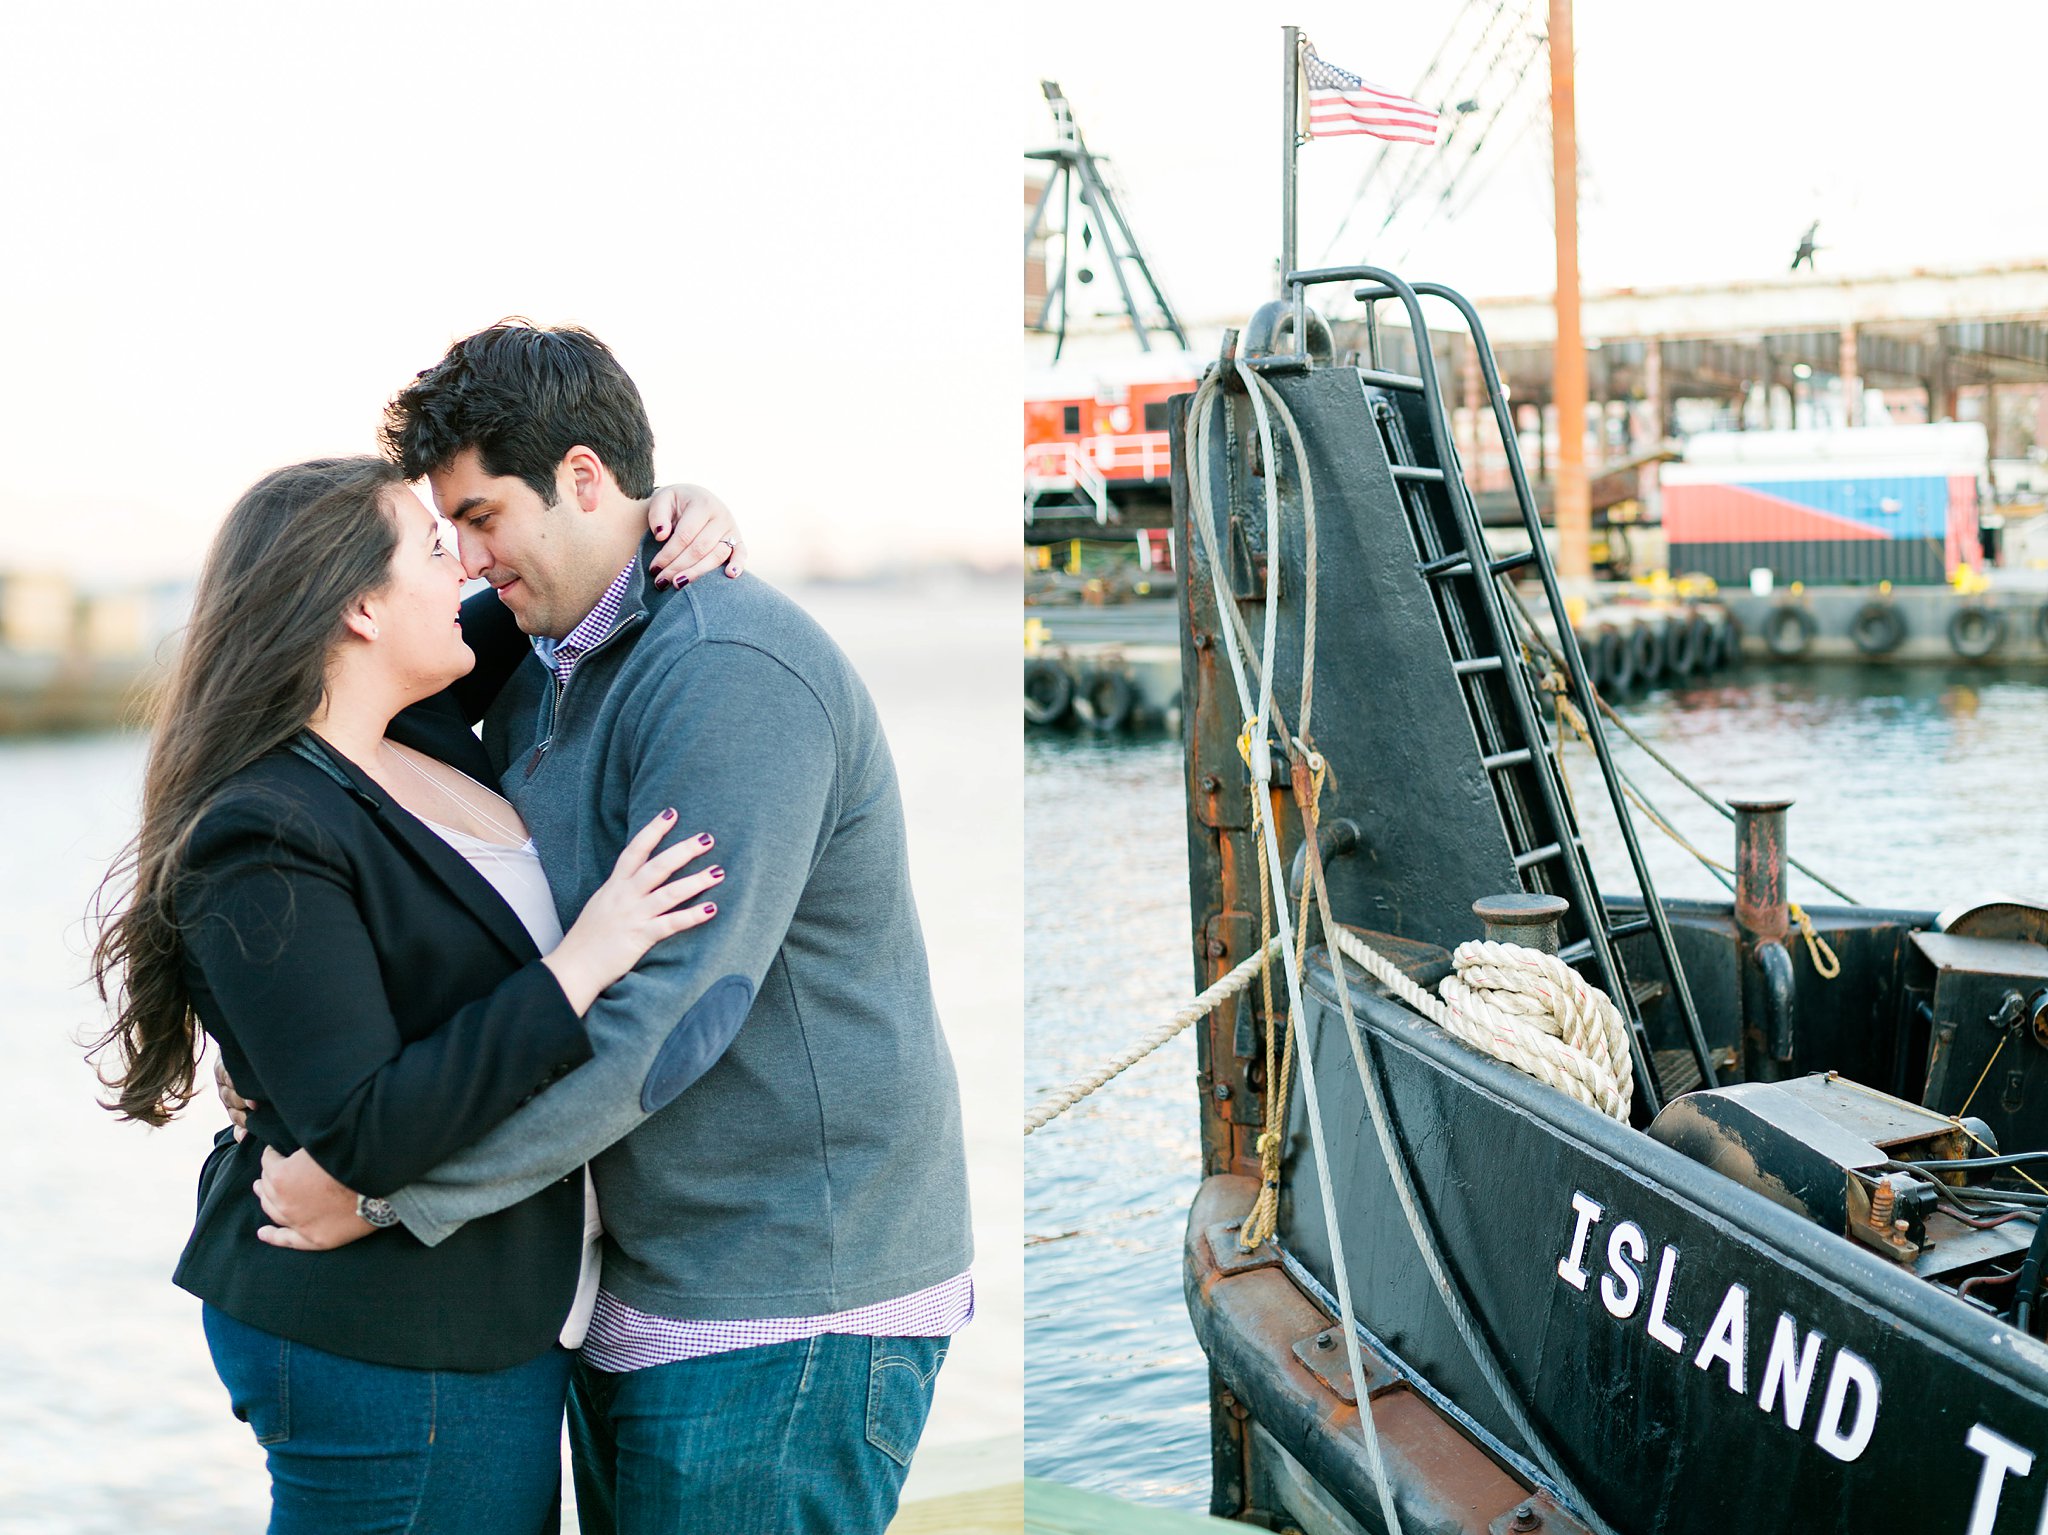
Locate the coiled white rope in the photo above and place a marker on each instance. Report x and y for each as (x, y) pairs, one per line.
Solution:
(1524, 1007)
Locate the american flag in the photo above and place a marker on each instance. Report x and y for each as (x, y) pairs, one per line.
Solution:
(1339, 102)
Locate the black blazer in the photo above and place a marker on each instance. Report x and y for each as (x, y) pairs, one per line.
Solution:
(384, 1007)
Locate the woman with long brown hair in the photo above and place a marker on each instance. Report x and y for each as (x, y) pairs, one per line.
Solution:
(325, 885)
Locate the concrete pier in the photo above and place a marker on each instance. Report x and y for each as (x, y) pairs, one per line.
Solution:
(2006, 622)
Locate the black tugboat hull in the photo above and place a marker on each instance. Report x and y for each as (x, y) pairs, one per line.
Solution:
(1780, 1379)
(1704, 1331)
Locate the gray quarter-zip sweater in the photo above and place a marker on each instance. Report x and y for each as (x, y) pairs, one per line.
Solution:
(771, 1113)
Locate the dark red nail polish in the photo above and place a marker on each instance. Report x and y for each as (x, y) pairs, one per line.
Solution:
(710, 910)
(669, 814)
(684, 582)
(705, 840)
(716, 872)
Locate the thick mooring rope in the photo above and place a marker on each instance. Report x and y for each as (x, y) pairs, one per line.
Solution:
(1524, 1007)
(1229, 986)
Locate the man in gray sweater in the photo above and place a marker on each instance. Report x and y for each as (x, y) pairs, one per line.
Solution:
(771, 1114)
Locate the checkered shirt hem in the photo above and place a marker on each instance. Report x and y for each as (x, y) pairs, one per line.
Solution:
(622, 1338)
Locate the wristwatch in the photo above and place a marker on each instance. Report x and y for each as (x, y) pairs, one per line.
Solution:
(377, 1212)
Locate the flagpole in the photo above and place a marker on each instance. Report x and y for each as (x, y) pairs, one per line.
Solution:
(1290, 98)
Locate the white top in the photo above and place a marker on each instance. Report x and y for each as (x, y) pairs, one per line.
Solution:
(515, 873)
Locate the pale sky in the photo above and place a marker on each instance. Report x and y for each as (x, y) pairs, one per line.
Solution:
(234, 229)
(1709, 135)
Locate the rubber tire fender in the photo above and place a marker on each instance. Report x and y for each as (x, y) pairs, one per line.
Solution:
(1681, 647)
(2041, 625)
(1789, 631)
(1646, 650)
(1104, 701)
(1731, 639)
(1975, 631)
(1878, 628)
(1616, 665)
(1706, 643)
(1048, 692)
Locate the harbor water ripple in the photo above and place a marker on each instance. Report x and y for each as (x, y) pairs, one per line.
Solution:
(1915, 787)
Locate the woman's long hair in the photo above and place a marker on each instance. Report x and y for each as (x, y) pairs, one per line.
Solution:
(301, 546)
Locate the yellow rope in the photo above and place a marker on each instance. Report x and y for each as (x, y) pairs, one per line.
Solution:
(1825, 962)
(1259, 1224)
(1264, 1218)
(1824, 959)
(1973, 1092)
(1956, 1118)
(1554, 683)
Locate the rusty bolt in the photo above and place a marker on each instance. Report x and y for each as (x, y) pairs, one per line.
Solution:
(1217, 948)
(1211, 783)
(1222, 1092)
(1201, 640)
(1526, 1518)
(1881, 1205)
(1325, 1341)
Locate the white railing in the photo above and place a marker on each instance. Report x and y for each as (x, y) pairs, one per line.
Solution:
(1149, 453)
(1062, 466)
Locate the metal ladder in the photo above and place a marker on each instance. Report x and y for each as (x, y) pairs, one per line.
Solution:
(1501, 693)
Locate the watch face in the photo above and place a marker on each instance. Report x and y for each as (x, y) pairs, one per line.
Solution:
(377, 1212)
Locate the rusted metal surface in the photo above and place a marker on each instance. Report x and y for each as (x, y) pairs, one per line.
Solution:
(1770, 1038)
(1760, 867)
(1261, 1333)
(1538, 1513)
(1227, 1257)
(1871, 1221)
(1323, 1353)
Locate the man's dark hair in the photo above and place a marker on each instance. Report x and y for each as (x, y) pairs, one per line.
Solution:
(523, 395)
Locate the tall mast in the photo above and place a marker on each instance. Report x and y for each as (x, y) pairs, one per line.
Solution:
(1571, 497)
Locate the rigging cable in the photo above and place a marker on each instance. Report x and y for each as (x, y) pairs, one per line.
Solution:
(1383, 157)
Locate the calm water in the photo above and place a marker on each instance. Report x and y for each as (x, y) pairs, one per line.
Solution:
(1915, 787)
(111, 1419)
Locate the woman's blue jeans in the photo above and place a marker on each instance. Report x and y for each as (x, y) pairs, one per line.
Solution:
(359, 1448)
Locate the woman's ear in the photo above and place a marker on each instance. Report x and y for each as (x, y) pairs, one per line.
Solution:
(359, 620)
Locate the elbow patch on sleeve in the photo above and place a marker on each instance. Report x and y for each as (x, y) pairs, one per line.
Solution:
(698, 1040)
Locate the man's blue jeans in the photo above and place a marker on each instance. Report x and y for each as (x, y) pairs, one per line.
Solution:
(359, 1448)
(806, 1438)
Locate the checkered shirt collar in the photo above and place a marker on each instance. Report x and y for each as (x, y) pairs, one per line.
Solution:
(563, 654)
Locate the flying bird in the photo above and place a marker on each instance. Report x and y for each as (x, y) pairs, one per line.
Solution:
(1806, 248)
